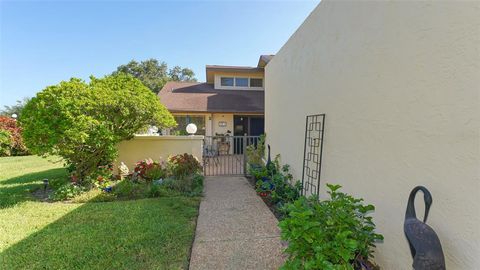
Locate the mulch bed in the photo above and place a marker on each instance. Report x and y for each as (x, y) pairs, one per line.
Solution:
(42, 195)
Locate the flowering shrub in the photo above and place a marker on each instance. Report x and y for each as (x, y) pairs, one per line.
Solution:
(181, 166)
(10, 125)
(150, 170)
(102, 178)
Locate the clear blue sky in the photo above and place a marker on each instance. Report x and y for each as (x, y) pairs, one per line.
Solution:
(43, 43)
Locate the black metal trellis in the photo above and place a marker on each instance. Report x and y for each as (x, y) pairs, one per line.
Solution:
(312, 154)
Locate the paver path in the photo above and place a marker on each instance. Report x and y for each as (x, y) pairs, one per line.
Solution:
(235, 229)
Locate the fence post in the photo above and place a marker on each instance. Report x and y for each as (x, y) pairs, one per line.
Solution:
(244, 154)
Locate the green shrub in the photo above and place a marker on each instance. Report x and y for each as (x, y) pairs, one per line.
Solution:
(191, 185)
(256, 153)
(331, 234)
(197, 188)
(258, 172)
(155, 191)
(284, 191)
(83, 122)
(181, 166)
(65, 192)
(127, 189)
(5, 143)
(277, 185)
(159, 190)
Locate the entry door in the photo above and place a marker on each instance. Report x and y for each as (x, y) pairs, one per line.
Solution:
(240, 125)
(240, 128)
(257, 126)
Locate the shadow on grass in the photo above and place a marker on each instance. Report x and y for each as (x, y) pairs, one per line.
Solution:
(19, 189)
(37, 176)
(140, 234)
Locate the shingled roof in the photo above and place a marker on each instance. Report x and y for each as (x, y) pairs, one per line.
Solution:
(202, 97)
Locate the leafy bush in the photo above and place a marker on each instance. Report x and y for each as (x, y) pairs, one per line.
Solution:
(150, 170)
(5, 143)
(83, 122)
(256, 153)
(337, 233)
(65, 192)
(16, 145)
(284, 191)
(155, 191)
(184, 165)
(191, 185)
(258, 172)
(127, 189)
(276, 185)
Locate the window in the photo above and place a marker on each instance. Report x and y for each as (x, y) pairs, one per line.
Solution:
(184, 120)
(226, 81)
(241, 82)
(256, 82)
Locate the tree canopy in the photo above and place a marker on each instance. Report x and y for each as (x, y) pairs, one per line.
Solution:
(155, 74)
(14, 109)
(83, 122)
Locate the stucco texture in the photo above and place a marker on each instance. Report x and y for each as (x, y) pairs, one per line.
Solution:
(399, 83)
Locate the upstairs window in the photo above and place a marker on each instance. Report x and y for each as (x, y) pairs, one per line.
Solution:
(255, 82)
(226, 81)
(241, 82)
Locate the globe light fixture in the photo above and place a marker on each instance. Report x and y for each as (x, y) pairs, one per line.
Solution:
(14, 116)
(191, 128)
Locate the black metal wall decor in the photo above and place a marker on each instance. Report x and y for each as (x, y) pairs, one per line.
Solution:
(312, 154)
(424, 243)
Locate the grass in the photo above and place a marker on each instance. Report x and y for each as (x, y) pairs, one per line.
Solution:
(19, 176)
(152, 233)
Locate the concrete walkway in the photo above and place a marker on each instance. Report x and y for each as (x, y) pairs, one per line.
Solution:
(235, 229)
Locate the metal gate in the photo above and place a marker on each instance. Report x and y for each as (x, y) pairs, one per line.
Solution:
(312, 154)
(226, 155)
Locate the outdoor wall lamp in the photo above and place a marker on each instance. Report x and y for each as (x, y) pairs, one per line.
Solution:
(191, 128)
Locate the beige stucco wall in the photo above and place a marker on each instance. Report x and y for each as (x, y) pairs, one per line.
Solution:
(219, 117)
(157, 148)
(399, 83)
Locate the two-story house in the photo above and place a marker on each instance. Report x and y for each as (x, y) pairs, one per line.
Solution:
(231, 101)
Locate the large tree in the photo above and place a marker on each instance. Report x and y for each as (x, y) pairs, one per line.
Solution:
(155, 74)
(84, 122)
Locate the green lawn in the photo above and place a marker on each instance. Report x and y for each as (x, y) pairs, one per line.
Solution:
(140, 234)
